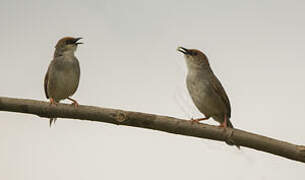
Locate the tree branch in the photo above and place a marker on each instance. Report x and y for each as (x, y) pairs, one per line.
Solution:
(156, 122)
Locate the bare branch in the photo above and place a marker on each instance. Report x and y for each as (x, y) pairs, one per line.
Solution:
(156, 122)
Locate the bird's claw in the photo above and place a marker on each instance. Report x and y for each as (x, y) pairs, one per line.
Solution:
(223, 125)
(75, 104)
(195, 121)
(52, 102)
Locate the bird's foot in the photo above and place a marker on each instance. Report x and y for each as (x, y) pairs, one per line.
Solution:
(75, 103)
(194, 121)
(223, 125)
(198, 120)
(52, 102)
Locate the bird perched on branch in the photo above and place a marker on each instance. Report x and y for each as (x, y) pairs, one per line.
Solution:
(205, 89)
(62, 78)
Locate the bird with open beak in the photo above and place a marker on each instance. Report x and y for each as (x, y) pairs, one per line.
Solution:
(62, 78)
(205, 89)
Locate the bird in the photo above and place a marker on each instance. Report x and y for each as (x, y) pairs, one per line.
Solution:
(62, 78)
(205, 89)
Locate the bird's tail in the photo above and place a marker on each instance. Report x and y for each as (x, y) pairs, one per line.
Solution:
(229, 124)
(52, 121)
(229, 141)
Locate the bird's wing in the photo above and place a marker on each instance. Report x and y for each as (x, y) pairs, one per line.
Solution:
(46, 79)
(217, 87)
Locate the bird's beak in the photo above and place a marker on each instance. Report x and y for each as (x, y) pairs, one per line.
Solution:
(77, 39)
(183, 50)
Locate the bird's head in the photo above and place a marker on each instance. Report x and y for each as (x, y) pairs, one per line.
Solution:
(67, 45)
(194, 58)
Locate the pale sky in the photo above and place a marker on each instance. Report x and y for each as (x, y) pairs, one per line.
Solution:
(129, 61)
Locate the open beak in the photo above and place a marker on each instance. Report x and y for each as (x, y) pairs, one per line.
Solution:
(183, 50)
(77, 39)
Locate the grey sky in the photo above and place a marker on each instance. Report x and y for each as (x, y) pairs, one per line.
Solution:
(129, 61)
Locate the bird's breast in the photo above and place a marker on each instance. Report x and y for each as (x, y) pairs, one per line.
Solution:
(203, 94)
(64, 79)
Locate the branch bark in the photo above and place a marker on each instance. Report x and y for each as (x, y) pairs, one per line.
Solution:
(156, 122)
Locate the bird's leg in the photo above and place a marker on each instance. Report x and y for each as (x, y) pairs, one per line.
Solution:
(52, 101)
(224, 124)
(198, 120)
(75, 103)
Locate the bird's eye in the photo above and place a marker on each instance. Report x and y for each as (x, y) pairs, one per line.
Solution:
(69, 42)
(194, 53)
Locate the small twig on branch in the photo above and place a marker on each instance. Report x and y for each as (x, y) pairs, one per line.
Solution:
(156, 122)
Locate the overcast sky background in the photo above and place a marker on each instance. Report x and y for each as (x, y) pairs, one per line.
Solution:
(129, 61)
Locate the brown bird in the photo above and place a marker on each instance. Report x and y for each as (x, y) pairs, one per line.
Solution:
(62, 78)
(205, 89)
